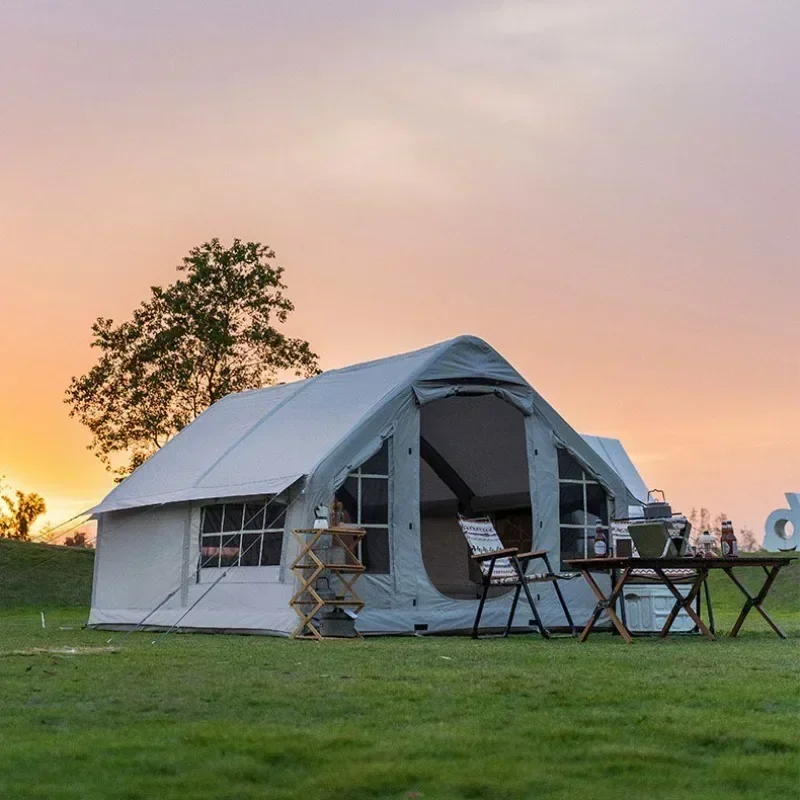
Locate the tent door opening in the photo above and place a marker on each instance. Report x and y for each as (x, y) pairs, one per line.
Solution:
(473, 461)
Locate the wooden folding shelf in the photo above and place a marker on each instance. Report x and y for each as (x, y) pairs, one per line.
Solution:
(309, 567)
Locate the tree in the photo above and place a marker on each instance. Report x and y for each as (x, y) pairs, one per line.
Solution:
(747, 541)
(78, 540)
(23, 511)
(210, 333)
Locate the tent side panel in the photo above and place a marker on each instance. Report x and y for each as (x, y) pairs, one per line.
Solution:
(405, 533)
(140, 560)
(543, 461)
(143, 556)
(242, 603)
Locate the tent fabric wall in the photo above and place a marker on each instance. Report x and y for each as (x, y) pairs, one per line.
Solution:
(613, 453)
(139, 561)
(305, 438)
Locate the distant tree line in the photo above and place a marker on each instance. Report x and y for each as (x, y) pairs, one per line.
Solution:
(18, 513)
(78, 540)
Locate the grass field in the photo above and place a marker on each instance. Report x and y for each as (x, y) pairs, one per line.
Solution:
(44, 576)
(441, 717)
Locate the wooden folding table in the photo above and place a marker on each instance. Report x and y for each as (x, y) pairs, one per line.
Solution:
(658, 569)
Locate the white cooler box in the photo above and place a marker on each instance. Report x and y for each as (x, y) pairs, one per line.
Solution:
(647, 607)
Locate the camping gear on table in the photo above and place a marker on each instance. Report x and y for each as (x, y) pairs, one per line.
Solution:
(655, 540)
(655, 509)
(646, 596)
(506, 566)
(727, 540)
(705, 544)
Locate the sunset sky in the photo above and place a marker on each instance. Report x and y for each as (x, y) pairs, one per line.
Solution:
(607, 192)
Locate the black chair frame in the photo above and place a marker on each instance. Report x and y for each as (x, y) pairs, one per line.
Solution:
(520, 561)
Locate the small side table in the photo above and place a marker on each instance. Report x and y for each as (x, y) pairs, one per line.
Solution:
(314, 562)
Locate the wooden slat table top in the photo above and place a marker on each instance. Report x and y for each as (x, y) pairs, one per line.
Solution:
(607, 564)
(347, 531)
(333, 567)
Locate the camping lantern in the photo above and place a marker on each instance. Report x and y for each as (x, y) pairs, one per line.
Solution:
(321, 517)
(705, 544)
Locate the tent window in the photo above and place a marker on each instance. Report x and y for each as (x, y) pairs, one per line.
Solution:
(242, 534)
(365, 496)
(582, 503)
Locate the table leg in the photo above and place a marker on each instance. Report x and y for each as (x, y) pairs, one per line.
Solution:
(684, 602)
(607, 605)
(710, 608)
(755, 602)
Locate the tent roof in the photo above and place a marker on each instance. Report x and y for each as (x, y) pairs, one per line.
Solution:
(615, 455)
(264, 440)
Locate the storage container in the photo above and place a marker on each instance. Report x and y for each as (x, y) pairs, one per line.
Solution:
(647, 607)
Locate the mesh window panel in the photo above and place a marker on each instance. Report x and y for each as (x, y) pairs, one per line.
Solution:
(212, 519)
(596, 502)
(251, 549)
(374, 501)
(210, 547)
(348, 495)
(570, 500)
(253, 516)
(232, 521)
(568, 467)
(375, 551)
(231, 547)
(379, 463)
(271, 556)
(275, 513)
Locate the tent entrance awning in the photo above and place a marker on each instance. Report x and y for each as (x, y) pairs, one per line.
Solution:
(431, 390)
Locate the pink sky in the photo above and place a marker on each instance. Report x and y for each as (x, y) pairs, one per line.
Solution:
(607, 193)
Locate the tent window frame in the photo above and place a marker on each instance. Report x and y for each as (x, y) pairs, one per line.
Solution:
(359, 476)
(217, 538)
(586, 480)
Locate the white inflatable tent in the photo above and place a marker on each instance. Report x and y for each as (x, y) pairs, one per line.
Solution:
(405, 443)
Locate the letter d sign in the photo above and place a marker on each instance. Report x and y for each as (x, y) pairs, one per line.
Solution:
(777, 535)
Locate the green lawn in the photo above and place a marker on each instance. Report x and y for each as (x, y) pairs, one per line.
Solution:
(199, 716)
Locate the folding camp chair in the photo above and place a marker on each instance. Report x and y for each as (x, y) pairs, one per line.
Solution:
(506, 566)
